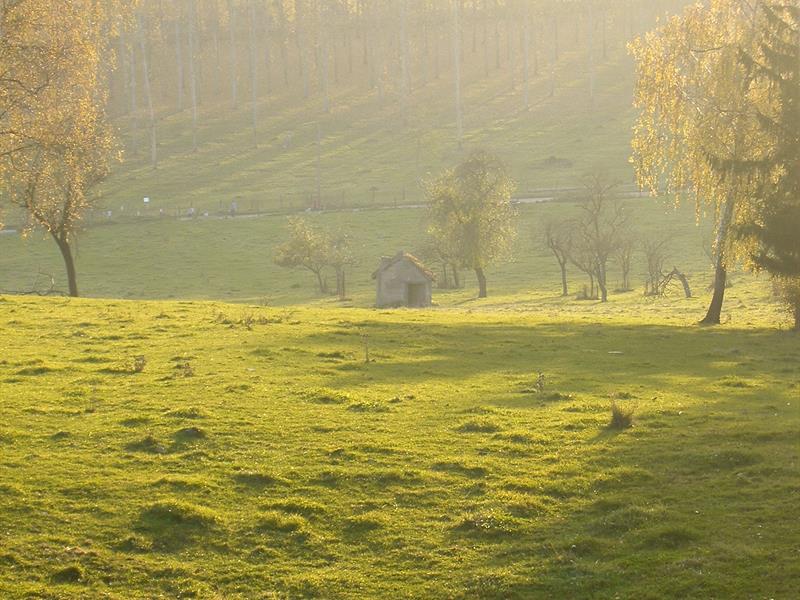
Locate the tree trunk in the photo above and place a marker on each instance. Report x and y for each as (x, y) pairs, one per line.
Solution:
(253, 74)
(715, 308)
(320, 282)
(69, 263)
(193, 69)
(457, 70)
(234, 58)
(341, 284)
(554, 58)
(405, 83)
(684, 282)
(481, 282)
(134, 105)
(590, 43)
(323, 53)
(526, 55)
(149, 96)
(720, 273)
(564, 288)
(456, 276)
(179, 61)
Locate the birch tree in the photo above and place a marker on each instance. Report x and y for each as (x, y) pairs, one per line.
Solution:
(694, 121)
(56, 143)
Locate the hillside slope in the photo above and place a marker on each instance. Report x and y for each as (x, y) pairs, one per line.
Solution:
(368, 149)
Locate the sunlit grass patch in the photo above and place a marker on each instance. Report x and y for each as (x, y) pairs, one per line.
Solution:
(181, 488)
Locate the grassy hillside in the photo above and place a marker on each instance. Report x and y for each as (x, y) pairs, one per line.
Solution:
(256, 454)
(368, 155)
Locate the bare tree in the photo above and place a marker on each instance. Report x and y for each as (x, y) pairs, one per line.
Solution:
(655, 254)
(624, 256)
(601, 228)
(558, 238)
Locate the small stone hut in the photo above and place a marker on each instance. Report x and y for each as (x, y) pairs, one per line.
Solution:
(402, 280)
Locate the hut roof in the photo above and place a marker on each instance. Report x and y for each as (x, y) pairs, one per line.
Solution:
(387, 262)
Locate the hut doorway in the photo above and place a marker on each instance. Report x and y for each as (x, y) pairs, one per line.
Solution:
(416, 294)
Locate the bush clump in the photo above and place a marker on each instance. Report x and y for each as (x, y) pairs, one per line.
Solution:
(621, 418)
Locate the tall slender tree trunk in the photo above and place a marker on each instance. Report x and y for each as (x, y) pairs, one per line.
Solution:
(497, 61)
(512, 67)
(481, 282)
(134, 101)
(404, 58)
(324, 45)
(266, 26)
(253, 73)
(319, 167)
(714, 313)
(69, 263)
(603, 23)
(179, 61)
(591, 55)
(193, 69)
(233, 54)
(554, 58)
(457, 70)
(301, 50)
(526, 54)
(148, 94)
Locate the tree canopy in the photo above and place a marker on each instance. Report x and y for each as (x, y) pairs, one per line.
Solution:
(471, 215)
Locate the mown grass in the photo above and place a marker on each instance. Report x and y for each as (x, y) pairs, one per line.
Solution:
(456, 477)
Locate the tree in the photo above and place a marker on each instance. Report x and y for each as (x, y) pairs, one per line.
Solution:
(471, 215)
(457, 70)
(624, 256)
(774, 87)
(306, 248)
(57, 143)
(601, 229)
(695, 123)
(558, 237)
(339, 257)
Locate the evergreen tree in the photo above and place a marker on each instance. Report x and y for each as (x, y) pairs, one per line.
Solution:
(774, 85)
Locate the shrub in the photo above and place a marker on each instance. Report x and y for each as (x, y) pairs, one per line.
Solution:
(621, 418)
(139, 363)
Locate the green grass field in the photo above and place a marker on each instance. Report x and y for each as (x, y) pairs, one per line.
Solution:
(232, 259)
(256, 454)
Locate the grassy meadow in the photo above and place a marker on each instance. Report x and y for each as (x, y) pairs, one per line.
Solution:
(251, 452)
(232, 259)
